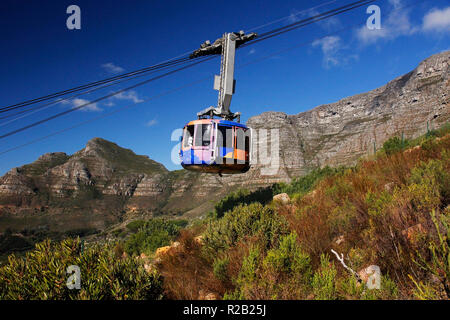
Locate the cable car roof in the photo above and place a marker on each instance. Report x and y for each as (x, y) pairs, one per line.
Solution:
(219, 121)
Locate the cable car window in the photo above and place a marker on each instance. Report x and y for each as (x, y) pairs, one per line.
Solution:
(202, 135)
(239, 138)
(188, 136)
(225, 136)
(247, 148)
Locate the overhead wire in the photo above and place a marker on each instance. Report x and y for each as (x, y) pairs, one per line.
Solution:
(307, 21)
(162, 64)
(27, 112)
(291, 16)
(267, 35)
(103, 98)
(92, 84)
(32, 110)
(184, 86)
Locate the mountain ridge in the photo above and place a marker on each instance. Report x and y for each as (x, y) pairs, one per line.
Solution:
(104, 183)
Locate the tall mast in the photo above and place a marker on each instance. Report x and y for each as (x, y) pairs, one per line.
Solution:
(225, 82)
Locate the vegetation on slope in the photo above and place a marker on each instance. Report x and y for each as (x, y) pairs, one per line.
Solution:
(104, 271)
(391, 211)
(152, 234)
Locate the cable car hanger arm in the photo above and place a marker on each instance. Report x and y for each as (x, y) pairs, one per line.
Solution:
(225, 83)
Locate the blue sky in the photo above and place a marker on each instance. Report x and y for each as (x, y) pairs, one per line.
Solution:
(332, 60)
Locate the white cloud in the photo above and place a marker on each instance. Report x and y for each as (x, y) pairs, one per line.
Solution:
(294, 17)
(252, 51)
(330, 46)
(129, 95)
(112, 68)
(109, 104)
(77, 102)
(151, 123)
(437, 20)
(397, 23)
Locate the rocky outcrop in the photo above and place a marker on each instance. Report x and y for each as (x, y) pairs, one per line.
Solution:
(340, 133)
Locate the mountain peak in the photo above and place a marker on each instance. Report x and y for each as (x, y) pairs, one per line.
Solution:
(99, 143)
(119, 157)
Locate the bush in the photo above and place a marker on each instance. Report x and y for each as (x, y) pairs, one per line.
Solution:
(394, 144)
(304, 184)
(288, 258)
(241, 197)
(220, 269)
(153, 234)
(135, 225)
(438, 265)
(324, 280)
(104, 275)
(244, 221)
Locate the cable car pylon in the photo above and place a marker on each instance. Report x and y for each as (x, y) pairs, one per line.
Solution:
(219, 145)
(225, 82)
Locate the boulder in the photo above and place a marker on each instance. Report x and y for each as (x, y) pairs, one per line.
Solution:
(282, 198)
(369, 276)
(339, 240)
(203, 295)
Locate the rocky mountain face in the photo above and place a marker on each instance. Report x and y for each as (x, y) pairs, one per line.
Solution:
(98, 186)
(342, 132)
(102, 183)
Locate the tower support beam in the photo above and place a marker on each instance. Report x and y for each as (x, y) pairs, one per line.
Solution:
(225, 82)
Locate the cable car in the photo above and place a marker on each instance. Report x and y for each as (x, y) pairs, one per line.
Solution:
(218, 145)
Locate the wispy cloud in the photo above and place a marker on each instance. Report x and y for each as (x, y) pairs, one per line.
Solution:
(151, 123)
(294, 16)
(109, 104)
(129, 95)
(437, 20)
(330, 46)
(397, 23)
(252, 51)
(112, 68)
(77, 102)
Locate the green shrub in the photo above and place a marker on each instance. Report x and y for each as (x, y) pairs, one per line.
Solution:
(220, 269)
(241, 197)
(249, 270)
(438, 265)
(153, 234)
(349, 288)
(288, 258)
(104, 275)
(324, 280)
(378, 202)
(244, 221)
(433, 176)
(305, 184)
(134, 226)
(394, 144)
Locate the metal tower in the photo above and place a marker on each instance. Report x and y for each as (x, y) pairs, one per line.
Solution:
(225, 82)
